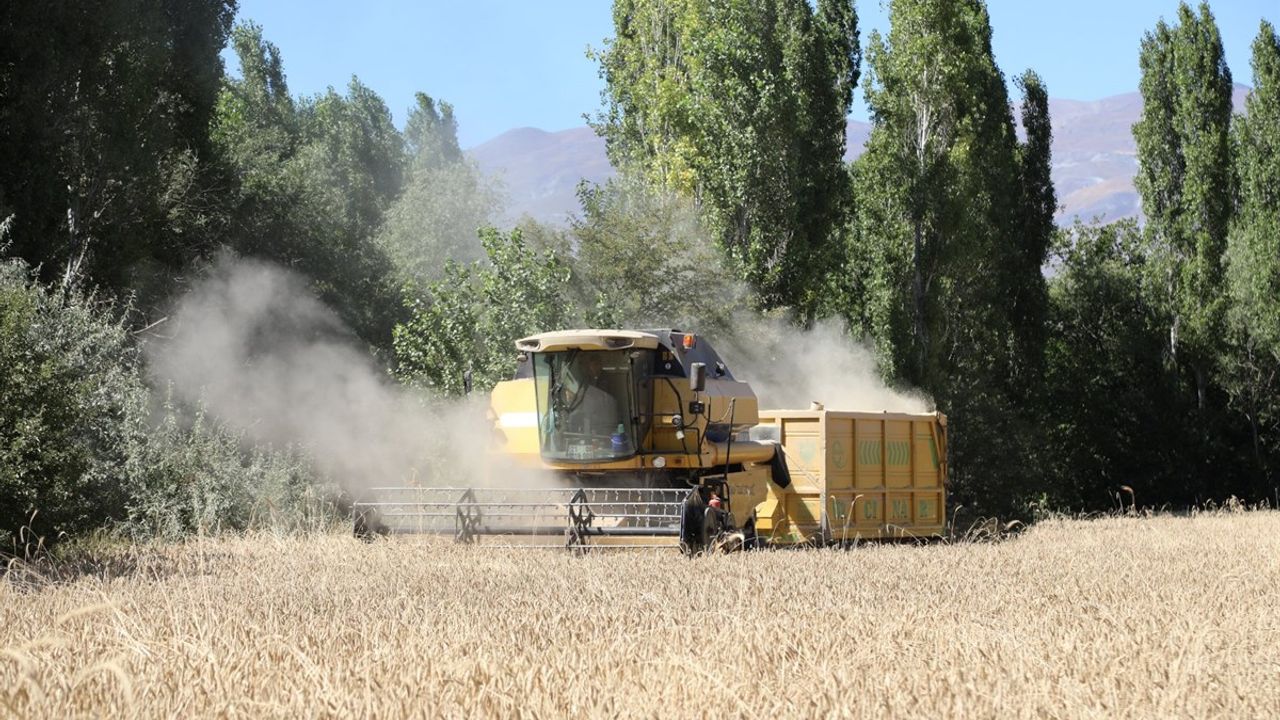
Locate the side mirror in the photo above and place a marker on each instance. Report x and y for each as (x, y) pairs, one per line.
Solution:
(698, 377)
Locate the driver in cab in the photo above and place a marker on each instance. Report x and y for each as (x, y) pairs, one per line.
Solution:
(599, 409)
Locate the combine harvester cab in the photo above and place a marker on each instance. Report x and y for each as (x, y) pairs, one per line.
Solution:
(645, 438)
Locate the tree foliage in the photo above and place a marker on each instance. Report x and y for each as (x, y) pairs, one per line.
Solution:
(467, 322)
(431, 133)
(742, 106)
(1117, 419)
(85, 444)
(1185, 179)
(644, 259)
(104, 153)
(1252, 362)
(445, 202)
(1255, 237)
(945, 273)
(1034, 231)
(933, 222)
(68, 375)
(315, 178)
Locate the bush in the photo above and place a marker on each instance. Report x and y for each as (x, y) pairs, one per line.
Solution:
(84, 444)
(68, 375)
(197, 476)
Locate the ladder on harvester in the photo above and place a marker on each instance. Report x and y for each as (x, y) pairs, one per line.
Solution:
(535, 517)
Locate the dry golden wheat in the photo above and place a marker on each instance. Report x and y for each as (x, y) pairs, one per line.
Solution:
(1118, 617)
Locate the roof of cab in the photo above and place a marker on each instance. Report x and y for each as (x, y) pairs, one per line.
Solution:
(587, 340)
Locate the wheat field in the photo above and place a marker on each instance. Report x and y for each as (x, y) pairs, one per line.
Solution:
(1116, 617)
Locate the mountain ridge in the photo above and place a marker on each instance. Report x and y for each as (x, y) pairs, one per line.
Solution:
(1094, 161)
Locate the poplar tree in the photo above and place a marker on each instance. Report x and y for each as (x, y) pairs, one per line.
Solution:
(951, 228)
(446, 199)
(935, 233)
(741, 105)
(431, 133)
(104, 151)
(1185, 181)
(1034, 229)
(313, 180)
(1255, 238)
(1254, 250)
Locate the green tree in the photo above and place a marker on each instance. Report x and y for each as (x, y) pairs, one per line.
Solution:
(84, 444)
(68, 376)
(1186, 183)
(933, 218)
(1116, 419)
(446, 200)
(944, 270)
(255, 121)
(353, 155)
(644, 259)
(742, 106)
(1034, 231)
(104, 149)
(469, 321)
(1253, 255)
(314, 180)
(431, 133)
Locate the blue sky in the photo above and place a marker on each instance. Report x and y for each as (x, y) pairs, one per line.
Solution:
(515, 63)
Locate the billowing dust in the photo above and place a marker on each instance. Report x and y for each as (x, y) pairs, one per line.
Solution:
(262, 354)
(789, 368)
(254, 345)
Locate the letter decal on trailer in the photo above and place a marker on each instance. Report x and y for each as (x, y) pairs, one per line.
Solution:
(838, 457)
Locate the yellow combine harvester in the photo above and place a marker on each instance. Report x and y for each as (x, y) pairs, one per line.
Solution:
(640, 438)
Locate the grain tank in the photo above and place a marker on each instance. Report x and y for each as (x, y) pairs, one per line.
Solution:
(855, 475)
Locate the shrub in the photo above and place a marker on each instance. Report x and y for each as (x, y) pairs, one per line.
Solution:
(85, 445)
(68, 374)
(196, 476)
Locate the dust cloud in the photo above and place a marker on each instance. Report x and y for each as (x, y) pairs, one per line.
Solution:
(254, 346)
(260, 352)
(789, 368)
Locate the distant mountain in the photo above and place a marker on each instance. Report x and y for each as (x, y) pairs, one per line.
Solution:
(539, 171)
(1095, 157)
(1094, 161)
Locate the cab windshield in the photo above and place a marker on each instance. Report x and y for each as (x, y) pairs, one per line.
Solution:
(585, 406)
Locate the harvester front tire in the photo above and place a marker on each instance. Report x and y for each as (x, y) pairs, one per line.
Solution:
(693, 525)
(751, 541)
(366, 526)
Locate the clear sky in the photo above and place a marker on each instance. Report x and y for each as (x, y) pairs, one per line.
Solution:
(522, 63)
